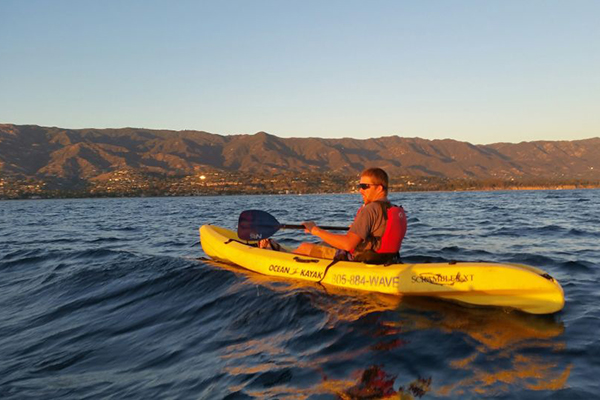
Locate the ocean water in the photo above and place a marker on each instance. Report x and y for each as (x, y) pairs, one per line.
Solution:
(112, 298)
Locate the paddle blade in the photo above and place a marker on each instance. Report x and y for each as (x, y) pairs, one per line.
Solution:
(256, 225)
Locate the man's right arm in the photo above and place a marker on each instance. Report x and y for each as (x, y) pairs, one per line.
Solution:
(347, 241)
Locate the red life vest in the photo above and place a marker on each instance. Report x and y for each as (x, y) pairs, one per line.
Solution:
(395, 229)
(391, 241)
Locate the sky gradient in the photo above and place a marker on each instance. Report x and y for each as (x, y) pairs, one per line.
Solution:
(475, 71)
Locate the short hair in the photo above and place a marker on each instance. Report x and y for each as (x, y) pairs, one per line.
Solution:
(378, 176)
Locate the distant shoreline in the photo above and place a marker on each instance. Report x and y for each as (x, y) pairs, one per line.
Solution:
(220, 194)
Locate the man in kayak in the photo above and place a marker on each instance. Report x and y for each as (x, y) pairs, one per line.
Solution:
(376, 234)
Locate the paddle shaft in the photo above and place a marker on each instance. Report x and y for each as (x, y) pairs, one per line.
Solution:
(327, 228)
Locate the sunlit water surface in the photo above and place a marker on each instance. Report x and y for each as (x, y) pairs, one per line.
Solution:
(109, 298)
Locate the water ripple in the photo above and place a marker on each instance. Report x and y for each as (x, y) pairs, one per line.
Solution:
(113, 302)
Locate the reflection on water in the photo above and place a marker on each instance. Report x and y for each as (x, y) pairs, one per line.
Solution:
(508, 348)
(494, 328)
(375, 383)
(500, 350)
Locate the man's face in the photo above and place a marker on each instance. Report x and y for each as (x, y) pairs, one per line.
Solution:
(369, 190)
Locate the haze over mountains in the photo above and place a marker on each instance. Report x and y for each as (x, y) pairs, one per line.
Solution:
(82, 154)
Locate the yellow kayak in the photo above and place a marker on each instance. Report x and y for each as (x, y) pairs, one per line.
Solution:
(516, 286)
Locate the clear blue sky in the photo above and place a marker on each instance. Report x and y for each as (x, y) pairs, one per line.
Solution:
(476, 71)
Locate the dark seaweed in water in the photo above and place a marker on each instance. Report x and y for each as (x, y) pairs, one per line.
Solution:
(106, 299)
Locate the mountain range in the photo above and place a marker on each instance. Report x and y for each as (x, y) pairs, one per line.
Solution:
(82, 154)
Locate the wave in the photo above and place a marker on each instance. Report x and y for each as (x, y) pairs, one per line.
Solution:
(117, 304)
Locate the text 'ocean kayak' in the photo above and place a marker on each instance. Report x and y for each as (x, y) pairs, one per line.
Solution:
(516, 286)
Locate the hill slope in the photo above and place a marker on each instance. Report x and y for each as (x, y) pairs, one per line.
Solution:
(44, 152)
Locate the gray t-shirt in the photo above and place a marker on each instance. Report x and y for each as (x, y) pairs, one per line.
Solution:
(370, 221)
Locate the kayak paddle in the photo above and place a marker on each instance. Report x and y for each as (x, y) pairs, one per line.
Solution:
(257, 224)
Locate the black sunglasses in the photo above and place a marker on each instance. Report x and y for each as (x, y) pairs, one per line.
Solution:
(365, 186)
